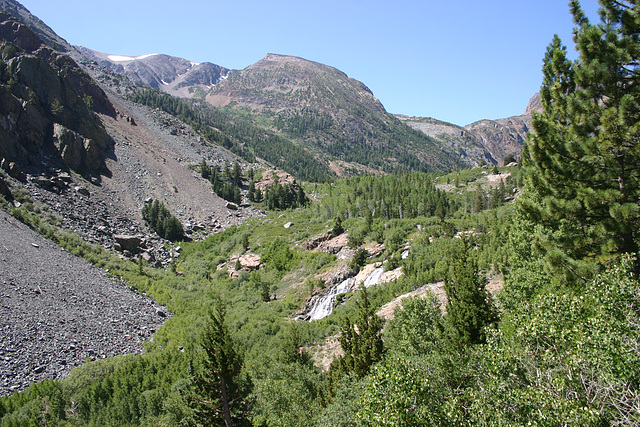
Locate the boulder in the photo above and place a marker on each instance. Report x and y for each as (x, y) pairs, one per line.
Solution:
(127, 242)
(42, 181)
(333, 246)
(250, 261)
(4, 189)
(315, 241)
(77, 152)
(83, 191)
(15, 172)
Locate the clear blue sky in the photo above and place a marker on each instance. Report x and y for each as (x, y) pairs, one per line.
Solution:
(457, 61)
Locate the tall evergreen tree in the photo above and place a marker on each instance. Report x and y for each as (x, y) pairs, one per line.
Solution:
(215, 388)
(361, 342)
(361, 339)
(469, 306)
(584, 157)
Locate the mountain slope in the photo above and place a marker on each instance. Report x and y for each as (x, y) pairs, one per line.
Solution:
(173, 75)
(333, 115)
(44, 32)
(489, 141)
(49, 105)
(90, 156)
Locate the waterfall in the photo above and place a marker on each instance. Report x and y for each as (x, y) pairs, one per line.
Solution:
(324, 306)
(374, 277)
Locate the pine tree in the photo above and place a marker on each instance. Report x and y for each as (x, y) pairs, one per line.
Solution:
(205, 170)
(469, 305)
(237, 174)
(584, 157)
(361, 339)
(215, 392)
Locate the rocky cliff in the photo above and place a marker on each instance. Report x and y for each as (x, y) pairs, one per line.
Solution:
(48, 106)
(489, 141)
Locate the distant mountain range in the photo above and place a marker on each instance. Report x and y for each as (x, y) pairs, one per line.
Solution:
(175, 76)
(335, 121)
(336, 117)
(489, 140)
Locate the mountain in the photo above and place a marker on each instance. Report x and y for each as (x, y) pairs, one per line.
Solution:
(44, 32)
(336, 119)
(89, 156)
(173, 75)
(489, 141)
(314, 107)
(333, 115)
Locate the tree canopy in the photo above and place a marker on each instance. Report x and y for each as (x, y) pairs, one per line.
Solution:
(584, 158)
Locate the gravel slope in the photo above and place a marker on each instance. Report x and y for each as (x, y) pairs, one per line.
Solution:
(56, 310)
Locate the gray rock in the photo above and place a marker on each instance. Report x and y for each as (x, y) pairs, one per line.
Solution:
(127, 242)
(83, 191)
(15, 172)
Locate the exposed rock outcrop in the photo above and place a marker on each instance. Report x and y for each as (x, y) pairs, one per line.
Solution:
(48, 106)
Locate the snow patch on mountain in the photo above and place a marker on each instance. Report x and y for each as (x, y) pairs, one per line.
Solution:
(122, 58)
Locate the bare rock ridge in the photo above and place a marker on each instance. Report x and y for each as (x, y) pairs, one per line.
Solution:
(173, 75)
(282, 81)
(487, 141)
(44, 32)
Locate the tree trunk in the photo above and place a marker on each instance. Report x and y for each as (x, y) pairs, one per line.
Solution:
(225, 403)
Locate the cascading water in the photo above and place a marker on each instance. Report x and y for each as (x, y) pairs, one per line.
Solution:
(374, 277)
(324, 306)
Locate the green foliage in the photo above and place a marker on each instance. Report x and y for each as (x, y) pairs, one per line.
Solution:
(287, 196)
(361, 341)
(571, 358)
(379, 141)
(581, 158)
(342, 410)
(400, 393)
(56, 107)
(216, 392)
(392, 196)
(286, 395)
(469, 306)
(417, 327)
(225, 183)
(159, 219)
(236, 133)
(358, 260)
(278, 254)
(42, 402)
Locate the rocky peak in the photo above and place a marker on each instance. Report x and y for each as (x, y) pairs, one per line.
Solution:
(176, 76)
(282, 81)
(44, 33)
(535, 104)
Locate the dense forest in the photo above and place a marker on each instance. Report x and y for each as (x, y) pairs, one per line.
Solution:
(558, 344)
(238, 133)
(385, 144)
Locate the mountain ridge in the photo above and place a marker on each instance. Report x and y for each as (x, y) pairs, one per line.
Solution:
(176, 76)
(307, 101)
